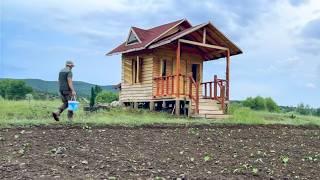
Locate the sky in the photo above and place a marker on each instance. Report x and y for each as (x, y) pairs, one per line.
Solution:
(280, 40)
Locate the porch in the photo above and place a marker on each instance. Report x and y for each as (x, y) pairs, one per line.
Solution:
(185, 86)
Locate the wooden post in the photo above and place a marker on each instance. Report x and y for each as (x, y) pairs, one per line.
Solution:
(215, 88)
(135, 105)
(177, 107)
(204, 35)
(190, 108)
(167, 85)
(197, 97)
(157, 86)
(172, 85)
(205, 90)
(178, 70)
(210, 89)
(228, 75)
(151, 106)
(190, 88)
(162, 86)
(138, 70)
(164, 104)
(222, 99)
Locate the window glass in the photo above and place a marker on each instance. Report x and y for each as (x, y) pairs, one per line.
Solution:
(132, 38)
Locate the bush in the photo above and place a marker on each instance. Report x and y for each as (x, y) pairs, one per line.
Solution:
(256, 103)
(260, 103)
(106, 97)
(14, 89)
(271, 105)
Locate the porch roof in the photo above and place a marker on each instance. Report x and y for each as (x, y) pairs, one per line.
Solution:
(213, 37)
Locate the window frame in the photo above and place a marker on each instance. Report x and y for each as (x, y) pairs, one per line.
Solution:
(163, 67)
(136, 69)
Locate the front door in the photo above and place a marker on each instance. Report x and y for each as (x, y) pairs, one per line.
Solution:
(196, 72)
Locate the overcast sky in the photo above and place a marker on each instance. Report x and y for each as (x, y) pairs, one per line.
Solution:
(280, 40)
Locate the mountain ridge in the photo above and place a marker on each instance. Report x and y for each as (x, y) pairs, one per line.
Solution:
(82, 88)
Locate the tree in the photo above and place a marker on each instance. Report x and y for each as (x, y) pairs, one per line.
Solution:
(92, 97)
(97, 89)
(271, 105)
(257, 103)
(107, 97)
(94, 92)
(14, 89)
(248, 102)
(317, 112)
(303, 109)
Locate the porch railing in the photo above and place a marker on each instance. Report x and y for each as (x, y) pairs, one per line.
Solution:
(165, 87)
(215, 90)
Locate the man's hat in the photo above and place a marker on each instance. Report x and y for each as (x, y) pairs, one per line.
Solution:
(69, 63)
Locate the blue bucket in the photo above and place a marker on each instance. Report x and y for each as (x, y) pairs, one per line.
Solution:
(73, 105)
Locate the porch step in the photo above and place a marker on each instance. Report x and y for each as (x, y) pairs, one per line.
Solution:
(212, 116)
(201, 100)
(210, 112)
(210, 109)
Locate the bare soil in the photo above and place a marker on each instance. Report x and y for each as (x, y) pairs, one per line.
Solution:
(160, 152)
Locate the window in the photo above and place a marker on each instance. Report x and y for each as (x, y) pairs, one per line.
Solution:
(163, 67)
(136, 70)
(132, 38)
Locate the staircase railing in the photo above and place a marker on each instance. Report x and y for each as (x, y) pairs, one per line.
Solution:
(215, 90)
(195, 97)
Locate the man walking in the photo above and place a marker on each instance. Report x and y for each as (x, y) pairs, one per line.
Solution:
(66, 90)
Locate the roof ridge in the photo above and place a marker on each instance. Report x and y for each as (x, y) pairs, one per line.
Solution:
(173, 22)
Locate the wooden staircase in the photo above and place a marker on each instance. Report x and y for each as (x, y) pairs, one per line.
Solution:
(210, 109)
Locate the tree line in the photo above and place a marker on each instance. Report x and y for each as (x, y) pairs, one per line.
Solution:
(268, 104)
(12, 89)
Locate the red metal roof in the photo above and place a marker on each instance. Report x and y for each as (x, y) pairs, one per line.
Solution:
(146, 36)
(155, 37)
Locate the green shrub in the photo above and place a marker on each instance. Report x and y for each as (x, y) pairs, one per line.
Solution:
(260, 103)
(256, 103)
(271, 105)
(107, 97)
(14, 89)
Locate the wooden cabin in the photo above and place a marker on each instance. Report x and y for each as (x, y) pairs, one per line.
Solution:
(162, 69)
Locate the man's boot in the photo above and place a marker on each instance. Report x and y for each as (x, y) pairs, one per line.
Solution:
(70, 115)
(56, 115)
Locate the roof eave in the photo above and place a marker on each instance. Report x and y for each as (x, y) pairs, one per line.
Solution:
(122, 52)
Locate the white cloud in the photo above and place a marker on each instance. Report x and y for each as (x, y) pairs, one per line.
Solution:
(311, 85)
(269, 33)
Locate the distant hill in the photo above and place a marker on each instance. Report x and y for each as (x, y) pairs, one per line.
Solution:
(82, 88)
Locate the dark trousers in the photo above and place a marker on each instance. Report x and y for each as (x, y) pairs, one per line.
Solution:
(65, 97)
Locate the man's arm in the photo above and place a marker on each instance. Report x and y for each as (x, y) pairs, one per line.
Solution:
(73, 92)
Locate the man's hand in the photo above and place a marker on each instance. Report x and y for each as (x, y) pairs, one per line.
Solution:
(73, 93)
